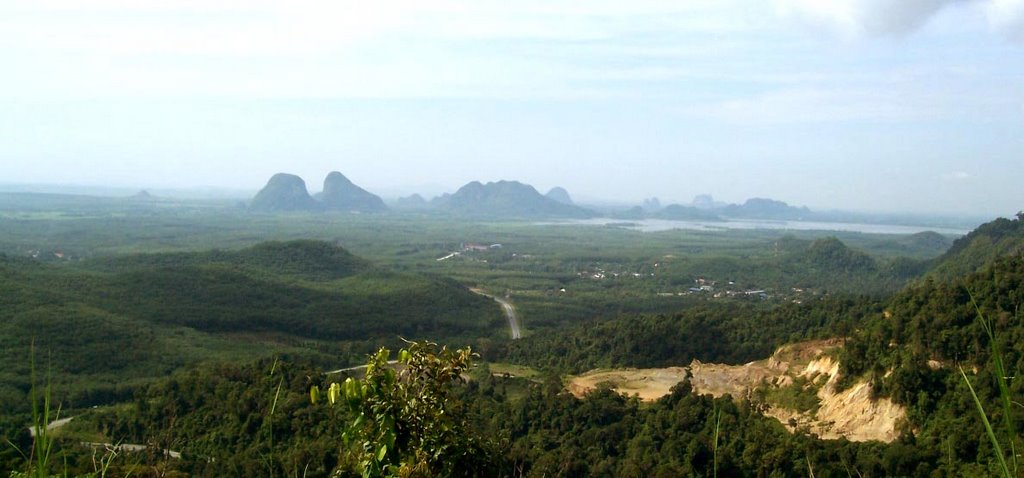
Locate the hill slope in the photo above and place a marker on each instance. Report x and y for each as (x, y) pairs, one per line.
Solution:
(106, 322)
(998, 238)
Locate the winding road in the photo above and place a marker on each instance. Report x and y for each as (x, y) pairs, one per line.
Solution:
(510, 313)
(506, 306)
(115, 447)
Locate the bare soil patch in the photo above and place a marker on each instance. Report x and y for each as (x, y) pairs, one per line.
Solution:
(850, 413)
(647, 383)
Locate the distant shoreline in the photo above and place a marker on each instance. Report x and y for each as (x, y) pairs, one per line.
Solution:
(656, 225)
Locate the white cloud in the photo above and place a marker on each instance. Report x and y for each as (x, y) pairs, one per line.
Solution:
(860, 18)
(1007, 17)
(427, 48)
(852, 19)
(353, 48)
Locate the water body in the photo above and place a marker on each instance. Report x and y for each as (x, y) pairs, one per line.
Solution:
(655, 225)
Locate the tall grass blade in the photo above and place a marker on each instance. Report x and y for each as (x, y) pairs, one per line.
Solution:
(718, 425)
(988, 428)
(1001, 380)
(270, 420)
(42, 444)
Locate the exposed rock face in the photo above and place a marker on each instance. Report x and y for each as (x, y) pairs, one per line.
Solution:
(284, 192)
(559, 194)
(507, 199)
(340, 194)
(852, 413)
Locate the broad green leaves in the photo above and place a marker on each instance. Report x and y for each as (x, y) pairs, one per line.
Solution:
(406, 419)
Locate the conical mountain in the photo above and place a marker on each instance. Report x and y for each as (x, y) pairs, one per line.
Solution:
(340, 194)
(284, 192)
(560, 194)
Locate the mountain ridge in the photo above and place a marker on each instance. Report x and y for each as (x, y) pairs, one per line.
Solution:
(506, 199)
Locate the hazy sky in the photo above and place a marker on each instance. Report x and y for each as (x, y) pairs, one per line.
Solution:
(886, 105)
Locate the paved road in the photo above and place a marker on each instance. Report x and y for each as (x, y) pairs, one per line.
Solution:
(130, 447)
(510, 313)
(358, 367)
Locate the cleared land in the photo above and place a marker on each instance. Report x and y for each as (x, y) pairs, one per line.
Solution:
(804, 368)
(648, 383)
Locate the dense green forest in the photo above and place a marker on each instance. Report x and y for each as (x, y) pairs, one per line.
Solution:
(988, 242)
(102, 326)
(728, 333)
(201, 329)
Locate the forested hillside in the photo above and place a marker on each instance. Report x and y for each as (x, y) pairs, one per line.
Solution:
(101, 326)
(989, 241)
(914, 350)
(730, 333)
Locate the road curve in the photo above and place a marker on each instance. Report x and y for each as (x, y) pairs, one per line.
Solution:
(510, 313)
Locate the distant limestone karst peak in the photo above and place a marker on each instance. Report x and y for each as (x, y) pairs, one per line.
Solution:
(507, 199)
(559, 194)
(284, 192)
(764, 208)
(341, 194)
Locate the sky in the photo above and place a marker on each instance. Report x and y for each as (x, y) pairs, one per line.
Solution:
(863, 105)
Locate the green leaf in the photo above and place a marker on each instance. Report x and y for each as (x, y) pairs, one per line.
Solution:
(382, 452)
